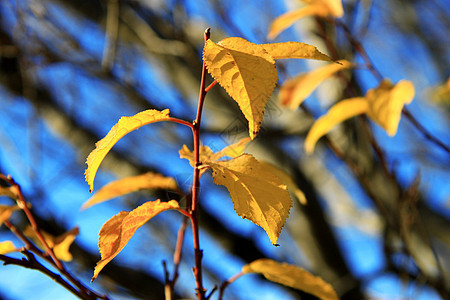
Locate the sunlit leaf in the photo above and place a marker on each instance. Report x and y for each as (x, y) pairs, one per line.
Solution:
(292, 276)
(131, 184)
(9, 191)
(247, 72)
(338, 113)
(286, 20)
(295, 50)
(60, 244)
(232, 151)
(383, 104)
(118, 131)
(296, 90)
(334, 7)
(257, 194)
(7, 247)
(207, 155)
(6, 212)
(117, 231)
(321, 8)
(287, 180)
(441, 93)
(386, 103)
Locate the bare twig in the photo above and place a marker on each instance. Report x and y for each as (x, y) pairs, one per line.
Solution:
(226, 283)
(196, 184)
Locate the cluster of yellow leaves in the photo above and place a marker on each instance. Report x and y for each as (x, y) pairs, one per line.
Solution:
(60, 244)
(383, 104)
(247, 71)
(117, 231)
(320, 8)
(258, 190)
(293, 277)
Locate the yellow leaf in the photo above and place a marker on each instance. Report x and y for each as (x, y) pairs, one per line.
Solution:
(59, 244)
(386, 103)
(207, 155)
(233, 150)
(441, 93)
(383, 104)
(320, 8)
(118, 131)
(287, 180)
(247, 72)
(131, 184)
(286, 20)
(6, 212)
(257, 194)
(296, 90)
(292, 276)
(7, 247)
(9, 191)
(339, 112)
(334, 7)
(118, 230)
(295, 50)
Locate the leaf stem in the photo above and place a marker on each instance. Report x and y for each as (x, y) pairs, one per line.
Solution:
(196, 184)
(209, 87)
(182, 122)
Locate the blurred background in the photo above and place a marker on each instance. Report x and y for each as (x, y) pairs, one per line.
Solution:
(377, 222)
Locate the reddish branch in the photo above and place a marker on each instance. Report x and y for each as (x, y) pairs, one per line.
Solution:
(196, 184)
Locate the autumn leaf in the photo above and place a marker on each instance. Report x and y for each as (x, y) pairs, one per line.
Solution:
(294, 91)
(292, 276)
(441, 93)
(131, 184)
(207, 155)
(386, 103)
(117, 231)
(248, 74)
(59, 244)
(288, 50)
(7, 247)
(257, 194)
(9, 191)
(286, 20)
(6, 212)
(232, 151)
(383, 105)
(118, 131)
(321, 8)
(287, 180)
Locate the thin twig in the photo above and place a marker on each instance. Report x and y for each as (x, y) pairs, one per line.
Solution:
(196, 184)
(226, 283)
(30, 262)
(422, 129)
